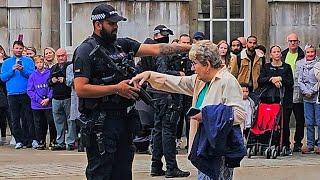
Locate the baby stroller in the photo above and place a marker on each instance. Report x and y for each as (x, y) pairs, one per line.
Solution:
(265, 135)
(143, 139)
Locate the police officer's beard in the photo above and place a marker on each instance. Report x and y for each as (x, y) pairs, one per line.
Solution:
(108, 37)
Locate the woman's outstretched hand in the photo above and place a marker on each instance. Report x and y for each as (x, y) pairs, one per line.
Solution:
(139, 79)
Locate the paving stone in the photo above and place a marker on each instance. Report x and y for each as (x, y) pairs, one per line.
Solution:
(49, 165)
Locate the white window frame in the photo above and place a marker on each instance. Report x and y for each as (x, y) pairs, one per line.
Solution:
(246, 19)
(63, 26)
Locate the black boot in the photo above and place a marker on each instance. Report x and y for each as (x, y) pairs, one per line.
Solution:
(176, 172)
(157, 172)
(297, 147)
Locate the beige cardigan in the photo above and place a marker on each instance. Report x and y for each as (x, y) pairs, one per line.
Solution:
(224, 88)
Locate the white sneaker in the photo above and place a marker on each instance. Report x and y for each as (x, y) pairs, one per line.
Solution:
(35, 144)
(19, 146)
(12, 141)
(178, 143)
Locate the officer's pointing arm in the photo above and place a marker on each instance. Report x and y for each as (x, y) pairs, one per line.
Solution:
(161, 49)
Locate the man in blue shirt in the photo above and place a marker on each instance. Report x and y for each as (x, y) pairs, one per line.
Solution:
(15, 72)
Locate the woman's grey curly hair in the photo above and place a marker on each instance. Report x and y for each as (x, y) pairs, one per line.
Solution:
(204, 51)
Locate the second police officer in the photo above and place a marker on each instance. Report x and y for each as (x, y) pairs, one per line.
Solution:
(109, 152)
(167, 115)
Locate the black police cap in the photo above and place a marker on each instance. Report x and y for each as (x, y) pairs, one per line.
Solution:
(105, 11)
(163, 30)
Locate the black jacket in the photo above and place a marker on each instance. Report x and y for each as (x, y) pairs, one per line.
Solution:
(270, 93)
(160, 64)
(285, 52)
(60, 90)
(147, 63)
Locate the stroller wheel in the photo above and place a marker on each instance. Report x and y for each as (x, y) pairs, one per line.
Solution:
(254, 150)
(249, 152)
(283, 151)
(274, 153)
(150, 149)
(260, 151)
(267, 153)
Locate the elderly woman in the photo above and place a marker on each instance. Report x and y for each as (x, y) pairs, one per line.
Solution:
(211, 85)
(309, 88)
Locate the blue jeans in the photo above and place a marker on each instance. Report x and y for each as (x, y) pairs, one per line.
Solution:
(225, 173)
(312, 117)
(61, 115)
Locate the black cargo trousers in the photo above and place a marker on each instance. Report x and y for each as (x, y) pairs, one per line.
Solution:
(164, 132)
(116, 163)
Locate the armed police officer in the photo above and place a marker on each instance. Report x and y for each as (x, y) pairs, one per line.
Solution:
(167, 114)
(105, 101)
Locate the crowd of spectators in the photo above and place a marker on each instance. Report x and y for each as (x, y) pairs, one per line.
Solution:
(37, 93)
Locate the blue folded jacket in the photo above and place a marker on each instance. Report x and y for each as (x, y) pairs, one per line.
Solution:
(215, 138)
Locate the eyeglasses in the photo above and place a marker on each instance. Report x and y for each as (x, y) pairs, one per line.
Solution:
(293, 41)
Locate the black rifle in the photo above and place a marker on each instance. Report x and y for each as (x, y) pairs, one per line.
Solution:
(181, 62)
(124, 69)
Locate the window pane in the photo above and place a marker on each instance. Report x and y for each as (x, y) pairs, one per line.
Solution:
(68, 34)
(236, 29)
(204, 9)
(219, 8)
(219, 30)
(204, 26)
(68, 12)
(236, 9)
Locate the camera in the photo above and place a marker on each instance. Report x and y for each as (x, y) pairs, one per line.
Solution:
(57, 74)
(19, 62)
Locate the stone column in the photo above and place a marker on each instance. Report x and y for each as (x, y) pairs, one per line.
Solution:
(193, 17)
(45, 23)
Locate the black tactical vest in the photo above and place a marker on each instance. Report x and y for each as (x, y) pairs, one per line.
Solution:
(102, 70)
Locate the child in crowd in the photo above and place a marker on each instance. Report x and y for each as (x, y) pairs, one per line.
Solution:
(249, 108)
(41, 94)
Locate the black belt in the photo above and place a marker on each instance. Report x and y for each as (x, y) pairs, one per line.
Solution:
(115, 112)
